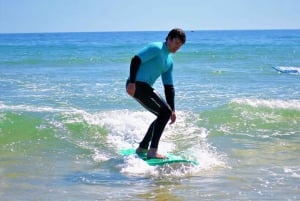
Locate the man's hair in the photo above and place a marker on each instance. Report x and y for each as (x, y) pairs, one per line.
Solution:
(176, 33)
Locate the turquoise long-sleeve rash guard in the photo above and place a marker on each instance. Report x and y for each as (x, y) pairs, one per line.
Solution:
(156, 61)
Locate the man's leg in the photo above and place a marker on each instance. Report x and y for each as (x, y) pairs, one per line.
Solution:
(155, 104)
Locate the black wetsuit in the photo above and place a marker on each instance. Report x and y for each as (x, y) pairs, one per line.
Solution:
(153, 102)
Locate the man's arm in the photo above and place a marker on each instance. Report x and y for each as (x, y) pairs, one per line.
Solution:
(170, 94)
(134, 67)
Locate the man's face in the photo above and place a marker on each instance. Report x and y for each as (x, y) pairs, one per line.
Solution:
(174, 44)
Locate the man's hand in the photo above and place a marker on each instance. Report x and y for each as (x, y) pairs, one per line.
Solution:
(131, 89)
(173, 117)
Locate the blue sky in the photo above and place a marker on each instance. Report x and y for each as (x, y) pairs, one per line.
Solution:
(130, 15)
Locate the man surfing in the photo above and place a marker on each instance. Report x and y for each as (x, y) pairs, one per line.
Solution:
(146, 67)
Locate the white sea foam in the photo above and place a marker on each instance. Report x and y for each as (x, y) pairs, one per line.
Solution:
(98, 156)
(126, 128)
(272, 103)
(32, 108)
(135, 166)
(292, 171)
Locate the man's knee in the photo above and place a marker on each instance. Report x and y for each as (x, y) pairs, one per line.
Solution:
(166, 112)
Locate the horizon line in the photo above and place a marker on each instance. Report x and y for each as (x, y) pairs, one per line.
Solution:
(187, 30)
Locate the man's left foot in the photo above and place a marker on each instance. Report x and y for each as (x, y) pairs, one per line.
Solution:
(141, 151)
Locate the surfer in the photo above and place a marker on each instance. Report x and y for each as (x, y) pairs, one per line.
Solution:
(146, 67)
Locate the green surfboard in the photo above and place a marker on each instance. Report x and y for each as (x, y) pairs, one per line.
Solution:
(155, 161)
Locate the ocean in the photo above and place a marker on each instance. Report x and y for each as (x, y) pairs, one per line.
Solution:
(65, 116)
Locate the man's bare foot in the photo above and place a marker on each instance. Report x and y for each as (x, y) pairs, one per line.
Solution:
(152, 153)
(141, 151)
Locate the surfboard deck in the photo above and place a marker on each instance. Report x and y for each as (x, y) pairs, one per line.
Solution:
(155, 161)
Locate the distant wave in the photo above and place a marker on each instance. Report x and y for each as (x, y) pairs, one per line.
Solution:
(273, 103)
(31, 108)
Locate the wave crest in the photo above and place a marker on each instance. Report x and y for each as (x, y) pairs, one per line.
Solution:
(272, 103)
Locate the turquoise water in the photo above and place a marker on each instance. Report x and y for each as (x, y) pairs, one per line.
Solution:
(64, 117)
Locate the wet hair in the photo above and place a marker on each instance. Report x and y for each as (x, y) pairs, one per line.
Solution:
(177, 33)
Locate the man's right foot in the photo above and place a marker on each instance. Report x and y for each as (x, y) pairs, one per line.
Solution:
(152, 153)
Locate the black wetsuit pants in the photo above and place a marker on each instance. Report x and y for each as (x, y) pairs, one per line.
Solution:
(154, 103)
